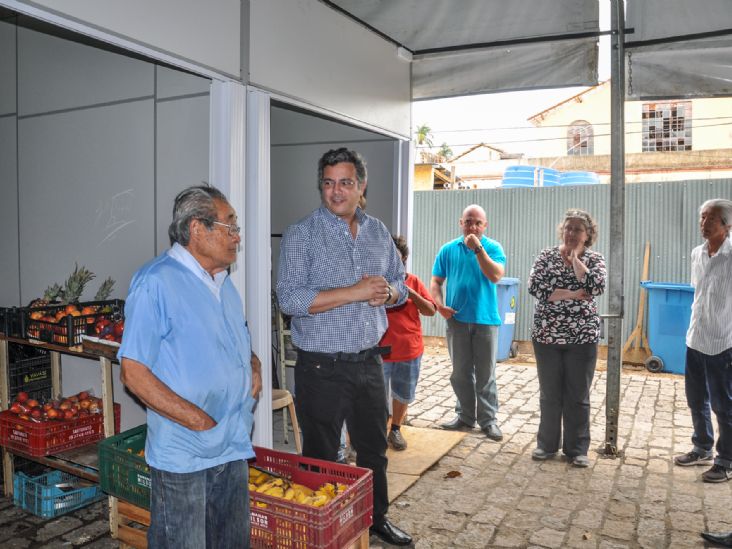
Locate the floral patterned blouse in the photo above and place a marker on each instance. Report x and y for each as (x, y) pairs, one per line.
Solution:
(569, 321)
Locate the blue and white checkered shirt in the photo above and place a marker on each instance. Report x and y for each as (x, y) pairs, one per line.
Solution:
(318, 253)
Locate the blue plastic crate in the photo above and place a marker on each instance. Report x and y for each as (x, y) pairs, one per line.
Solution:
(53, 494)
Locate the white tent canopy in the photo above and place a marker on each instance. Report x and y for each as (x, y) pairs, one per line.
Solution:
(675, 48)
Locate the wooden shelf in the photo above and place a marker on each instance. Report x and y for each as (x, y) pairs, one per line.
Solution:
(78, 461)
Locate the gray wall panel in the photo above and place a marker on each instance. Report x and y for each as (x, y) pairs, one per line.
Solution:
(524, 221)
(7, 67)
(60, 74)
(9, 279)
(182, 155)
(172, 83)
(86, 194)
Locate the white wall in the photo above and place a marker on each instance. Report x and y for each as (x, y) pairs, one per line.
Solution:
(308, 51)
(205, 33)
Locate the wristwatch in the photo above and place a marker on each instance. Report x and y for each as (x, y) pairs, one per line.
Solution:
(389, 294)
(478, 250)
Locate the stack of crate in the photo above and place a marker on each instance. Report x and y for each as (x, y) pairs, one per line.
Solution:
(29, 370)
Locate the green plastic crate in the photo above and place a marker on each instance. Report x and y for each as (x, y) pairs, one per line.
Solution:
(122, 472)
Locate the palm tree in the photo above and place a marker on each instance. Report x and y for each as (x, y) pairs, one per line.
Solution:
(445, 152)
(423, 134)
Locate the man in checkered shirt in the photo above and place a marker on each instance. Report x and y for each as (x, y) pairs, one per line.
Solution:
(338, 271)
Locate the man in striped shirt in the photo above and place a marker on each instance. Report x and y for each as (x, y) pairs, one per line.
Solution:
(709, 344)
(338, 270)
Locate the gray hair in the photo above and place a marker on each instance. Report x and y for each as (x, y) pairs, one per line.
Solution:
(337, 156)
(193, 203)
(586, 219)
(724, 207)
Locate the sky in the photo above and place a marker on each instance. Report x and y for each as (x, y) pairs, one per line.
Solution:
(498, 118)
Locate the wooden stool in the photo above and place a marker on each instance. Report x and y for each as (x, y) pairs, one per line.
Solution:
(282, 398)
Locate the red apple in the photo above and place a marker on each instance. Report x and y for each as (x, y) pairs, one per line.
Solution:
(31, 403)
(83, 395)
(16, 408)
(21, 397)
(53, 413)
(36, 413)
(118, 328)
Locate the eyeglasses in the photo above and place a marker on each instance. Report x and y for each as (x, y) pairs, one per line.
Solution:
(233, 230)
(331, 183)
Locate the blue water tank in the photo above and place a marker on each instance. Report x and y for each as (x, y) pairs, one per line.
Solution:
(530, 176)
(518, 176)
(578, 178)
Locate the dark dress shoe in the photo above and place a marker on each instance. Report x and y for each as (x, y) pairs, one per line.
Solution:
(389, 533)
(725, 540)
(493, 432)
(455, 425)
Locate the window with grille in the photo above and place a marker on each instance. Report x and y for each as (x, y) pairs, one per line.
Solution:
(580, 138)
(667, 126)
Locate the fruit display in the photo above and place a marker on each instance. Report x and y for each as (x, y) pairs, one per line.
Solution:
(65, 324)
(262, 482)
(79, 405)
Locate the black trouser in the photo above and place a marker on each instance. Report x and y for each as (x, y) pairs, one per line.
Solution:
(328, 391)
(565, 376)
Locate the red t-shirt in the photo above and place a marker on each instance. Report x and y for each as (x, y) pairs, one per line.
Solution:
(405, 328)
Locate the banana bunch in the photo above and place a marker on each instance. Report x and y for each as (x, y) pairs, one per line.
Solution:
(264, 483)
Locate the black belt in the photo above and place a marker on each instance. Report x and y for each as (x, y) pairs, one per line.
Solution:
(348, 357)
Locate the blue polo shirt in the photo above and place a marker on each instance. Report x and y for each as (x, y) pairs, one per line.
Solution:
(467, 289)
(199, 346)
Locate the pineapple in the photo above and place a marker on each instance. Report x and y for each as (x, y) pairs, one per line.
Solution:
(105, 290)
(50, 296)
(74, 285)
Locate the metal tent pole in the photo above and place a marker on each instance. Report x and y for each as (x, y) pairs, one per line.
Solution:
(617, 224)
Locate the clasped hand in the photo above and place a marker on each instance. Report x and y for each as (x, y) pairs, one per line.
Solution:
(373, 289)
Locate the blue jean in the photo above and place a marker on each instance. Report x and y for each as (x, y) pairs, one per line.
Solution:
(208, 508)
(709, 381)
(472, 350)
(400, 379)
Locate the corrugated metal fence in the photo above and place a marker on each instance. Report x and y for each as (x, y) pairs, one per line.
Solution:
(524, 221)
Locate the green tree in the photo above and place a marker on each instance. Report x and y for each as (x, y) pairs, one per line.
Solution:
(445, 152)
(423, 134)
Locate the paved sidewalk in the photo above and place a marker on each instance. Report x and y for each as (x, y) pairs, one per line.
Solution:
(501, 498)
(504, 499)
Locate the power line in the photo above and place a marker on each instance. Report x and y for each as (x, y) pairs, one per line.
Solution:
(558, 126)
(560, 138)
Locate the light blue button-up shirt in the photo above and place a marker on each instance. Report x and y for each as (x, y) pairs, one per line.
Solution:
(198, 346)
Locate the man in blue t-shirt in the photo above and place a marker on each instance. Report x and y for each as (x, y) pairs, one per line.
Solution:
(469, 268)
(186, 355)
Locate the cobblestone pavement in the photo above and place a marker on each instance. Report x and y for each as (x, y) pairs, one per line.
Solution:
(503, 499)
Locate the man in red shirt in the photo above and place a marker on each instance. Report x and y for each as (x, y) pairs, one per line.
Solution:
(404, 336)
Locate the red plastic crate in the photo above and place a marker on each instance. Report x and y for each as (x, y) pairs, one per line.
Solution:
(51, 437)
(281, 524)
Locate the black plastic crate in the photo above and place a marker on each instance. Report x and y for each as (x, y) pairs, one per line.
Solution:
(30, 375)
(11, 321)
(19, 352)
(69, 330)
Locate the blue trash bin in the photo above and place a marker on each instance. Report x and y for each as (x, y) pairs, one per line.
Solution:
(507, 290)
(669, 312)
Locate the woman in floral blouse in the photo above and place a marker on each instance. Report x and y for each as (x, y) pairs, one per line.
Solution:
(565, 280)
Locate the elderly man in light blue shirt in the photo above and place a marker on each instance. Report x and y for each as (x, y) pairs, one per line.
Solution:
(186, 355)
